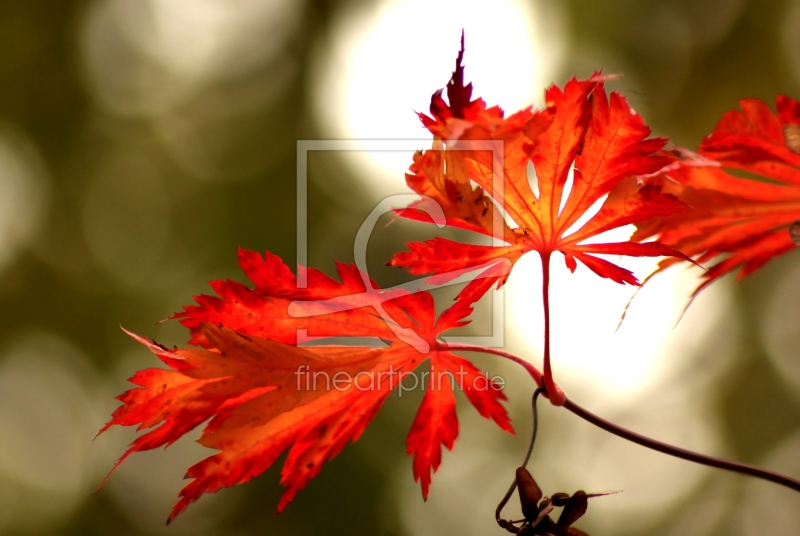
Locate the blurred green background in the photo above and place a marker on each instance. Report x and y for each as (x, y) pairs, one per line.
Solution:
(143, 141)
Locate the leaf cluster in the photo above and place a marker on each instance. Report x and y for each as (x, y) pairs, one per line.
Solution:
(546, 181)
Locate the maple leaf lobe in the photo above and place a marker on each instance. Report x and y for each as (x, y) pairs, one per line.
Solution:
(458, 94)
(249, 381)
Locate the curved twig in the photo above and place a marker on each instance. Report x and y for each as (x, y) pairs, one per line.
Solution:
(648, 442)
(684, 454)
(500, 521)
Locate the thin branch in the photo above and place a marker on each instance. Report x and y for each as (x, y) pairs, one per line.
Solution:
(678, 452)
(654, 444)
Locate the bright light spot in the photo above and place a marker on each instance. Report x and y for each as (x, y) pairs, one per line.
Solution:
(204, 73)
(148, 56)
(24, 193)
(463, 495)
(588, 356)
(779, 332)
(384, 62)
(209, 38)
(147, 484)
(48, 418)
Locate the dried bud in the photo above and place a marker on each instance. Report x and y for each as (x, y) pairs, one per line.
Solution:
(794, 232)
(791, 136)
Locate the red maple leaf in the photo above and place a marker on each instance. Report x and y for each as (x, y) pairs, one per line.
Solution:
(746, 220)
(265, 396)
(581, 128)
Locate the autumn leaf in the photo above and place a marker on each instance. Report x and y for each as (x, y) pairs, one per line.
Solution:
(597, 141)
(742, 222)
(263, 311)
(263, 396)
(604, 140)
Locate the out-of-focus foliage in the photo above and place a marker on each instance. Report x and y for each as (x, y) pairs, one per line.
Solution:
(143, 141)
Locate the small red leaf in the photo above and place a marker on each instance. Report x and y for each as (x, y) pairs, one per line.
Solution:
(748, 221)
(261, 395)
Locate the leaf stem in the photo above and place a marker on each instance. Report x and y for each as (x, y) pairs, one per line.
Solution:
(528, 366)
(554, 392)
(654, 444)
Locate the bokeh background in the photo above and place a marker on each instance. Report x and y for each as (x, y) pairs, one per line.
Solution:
(143, 141)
